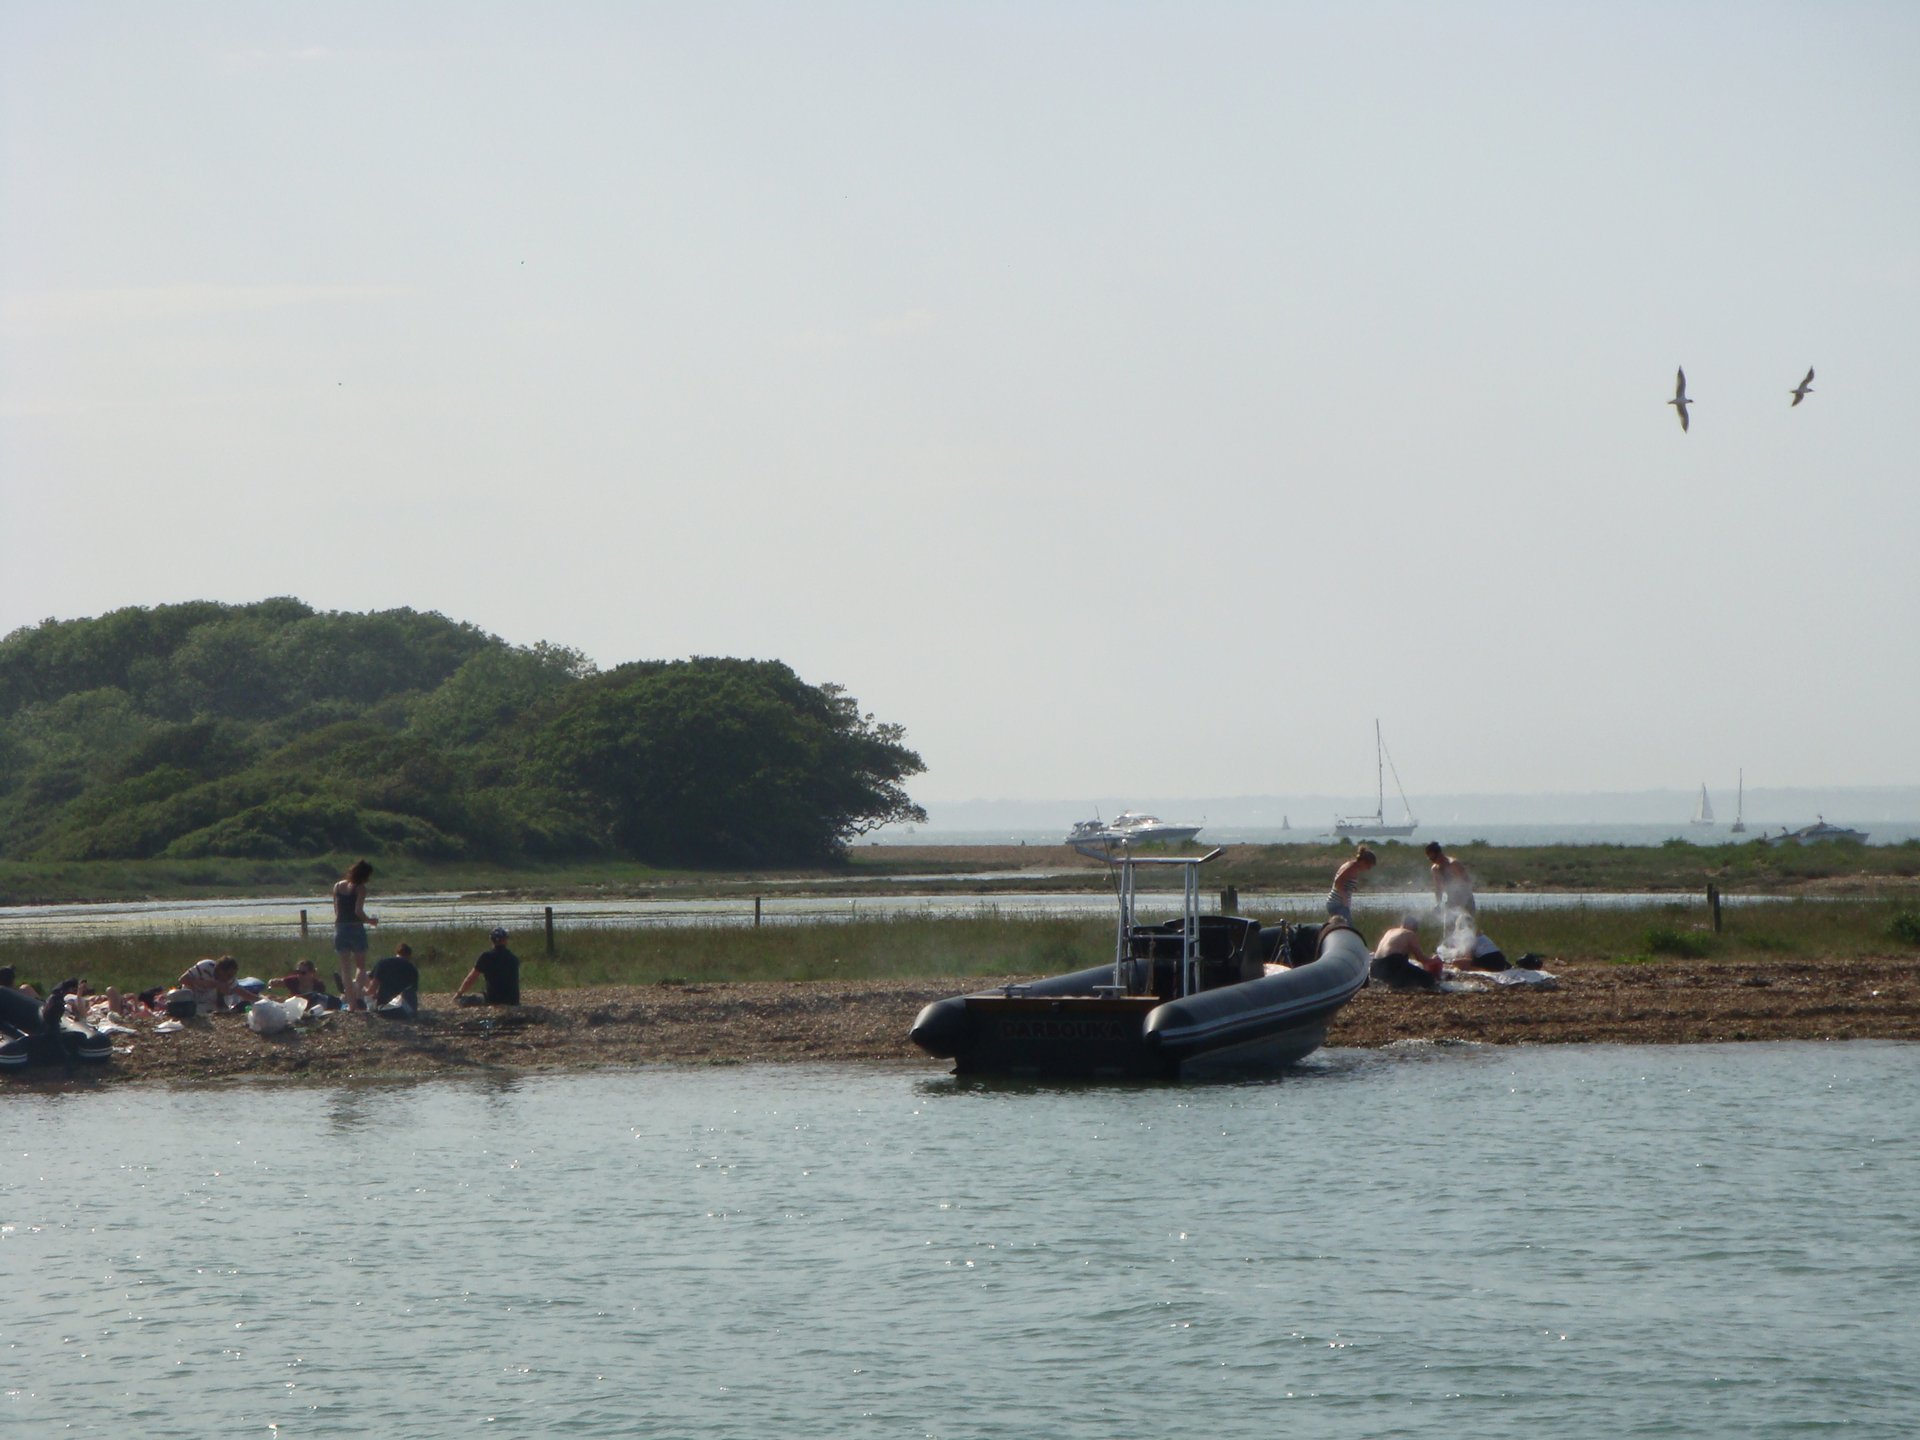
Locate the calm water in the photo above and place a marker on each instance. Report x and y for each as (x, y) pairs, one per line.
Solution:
(1711, 1241)
(1449, 830)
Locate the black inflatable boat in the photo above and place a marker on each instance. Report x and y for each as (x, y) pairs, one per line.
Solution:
(27, 1037)
(1181, 998)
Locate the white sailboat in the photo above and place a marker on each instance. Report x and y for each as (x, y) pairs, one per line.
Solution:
(1703, 815)
(1374, 826)
(1739, 826)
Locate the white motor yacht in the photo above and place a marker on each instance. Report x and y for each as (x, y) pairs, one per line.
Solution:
(1098, 838)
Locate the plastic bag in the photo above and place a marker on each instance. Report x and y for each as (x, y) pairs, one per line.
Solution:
(267, 1017)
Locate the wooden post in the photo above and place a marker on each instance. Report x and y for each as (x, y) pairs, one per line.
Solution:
(549, 930)
(756, 912)
(1713, 903)
(1230, 900)
(303, 924)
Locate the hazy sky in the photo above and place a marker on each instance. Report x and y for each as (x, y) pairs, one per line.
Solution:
(1127, 399)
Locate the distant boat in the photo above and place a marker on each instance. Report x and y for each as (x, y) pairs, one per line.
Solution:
(1374, 826)
(1820, 831)
(1739, 826)
(1703, 812)
(1099, 838)
(1283, 823)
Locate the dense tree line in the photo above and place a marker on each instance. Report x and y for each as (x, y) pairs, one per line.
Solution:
(273, 730)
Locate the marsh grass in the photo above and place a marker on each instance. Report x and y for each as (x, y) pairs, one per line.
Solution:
(1808, 928)
(1752, 867)
(908, 947)
(879, 948)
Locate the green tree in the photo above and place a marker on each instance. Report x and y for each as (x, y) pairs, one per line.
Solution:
(274, 730)
(726, 762)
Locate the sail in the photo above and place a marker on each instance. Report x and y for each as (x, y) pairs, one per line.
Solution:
(1704, 815)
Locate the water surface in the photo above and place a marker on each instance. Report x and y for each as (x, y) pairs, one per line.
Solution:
(1705, 1241)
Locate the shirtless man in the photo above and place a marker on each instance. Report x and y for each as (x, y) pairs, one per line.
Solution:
(1400, 964)
(1452, 885)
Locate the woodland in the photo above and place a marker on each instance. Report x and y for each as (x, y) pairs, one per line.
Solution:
(272, 730)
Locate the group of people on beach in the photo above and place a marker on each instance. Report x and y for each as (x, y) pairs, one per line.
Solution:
(390, 986)
(497, 969)
(1399, 959)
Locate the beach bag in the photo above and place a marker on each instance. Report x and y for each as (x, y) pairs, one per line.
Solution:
(267, 1017)
(180, 1004)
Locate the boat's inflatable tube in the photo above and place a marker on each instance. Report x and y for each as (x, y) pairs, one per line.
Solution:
(941, 1029)
(1288, 1010)
(25, 1035)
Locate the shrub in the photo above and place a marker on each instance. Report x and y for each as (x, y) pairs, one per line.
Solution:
(1665, 940)
(1905, 927)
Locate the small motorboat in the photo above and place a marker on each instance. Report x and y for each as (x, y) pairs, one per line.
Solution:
(1194, 994)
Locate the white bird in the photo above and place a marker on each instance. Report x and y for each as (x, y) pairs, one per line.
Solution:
(1679, 400)
(1804, 388)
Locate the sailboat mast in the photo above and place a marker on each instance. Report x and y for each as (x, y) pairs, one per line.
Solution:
(1379, 774)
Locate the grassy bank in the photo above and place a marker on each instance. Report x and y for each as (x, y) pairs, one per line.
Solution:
(917, 947)
(896, 948)
(1754, 867)
(1678, 866)
(78, 881)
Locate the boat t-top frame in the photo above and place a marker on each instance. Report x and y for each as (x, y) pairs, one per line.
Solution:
(1124, 865)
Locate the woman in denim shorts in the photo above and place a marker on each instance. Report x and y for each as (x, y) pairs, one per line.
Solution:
(1340, 896)
(350, 922)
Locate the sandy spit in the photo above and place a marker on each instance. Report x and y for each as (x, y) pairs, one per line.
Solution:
(1672, 1002)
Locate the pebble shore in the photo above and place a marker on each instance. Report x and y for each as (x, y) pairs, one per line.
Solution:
(1665, 1003)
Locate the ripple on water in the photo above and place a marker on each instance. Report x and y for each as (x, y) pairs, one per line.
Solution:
(1512, 1243)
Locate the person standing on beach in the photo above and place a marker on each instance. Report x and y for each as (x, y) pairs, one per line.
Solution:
(500, 968)
(350, 922)
(1340, 897)
(1453, 894)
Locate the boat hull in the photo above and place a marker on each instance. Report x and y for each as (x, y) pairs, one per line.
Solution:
(1078, 1025)
(19, 1048)
(1102, 846)
(1821, 834)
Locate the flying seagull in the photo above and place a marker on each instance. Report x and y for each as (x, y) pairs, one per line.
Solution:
(1804, 388)
(1679, 400)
